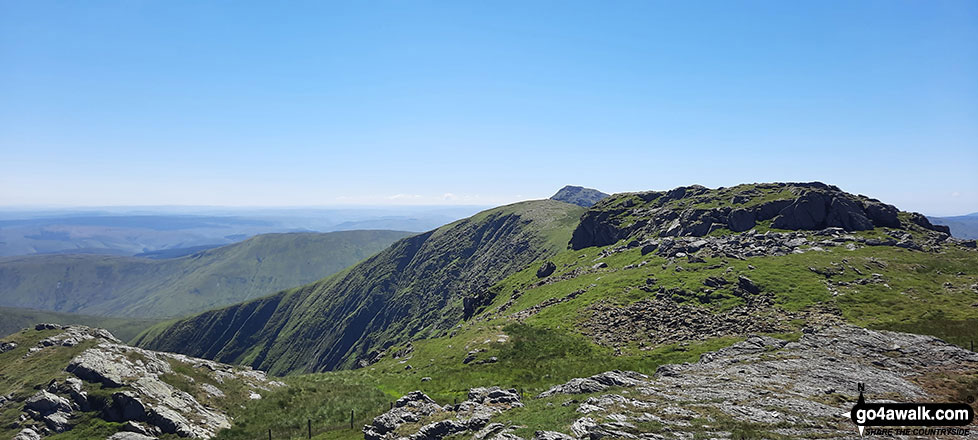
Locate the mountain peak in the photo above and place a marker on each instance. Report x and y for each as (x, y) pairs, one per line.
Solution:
(579, 195)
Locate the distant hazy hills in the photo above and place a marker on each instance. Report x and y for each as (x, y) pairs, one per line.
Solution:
(139, 287)
(174, 231)
(962, 226)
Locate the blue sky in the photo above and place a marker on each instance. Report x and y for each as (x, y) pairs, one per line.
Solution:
(464, 102)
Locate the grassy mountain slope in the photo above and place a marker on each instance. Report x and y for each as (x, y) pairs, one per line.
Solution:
(539, 330)
(13, 320)
(137, 287)
(420, 286)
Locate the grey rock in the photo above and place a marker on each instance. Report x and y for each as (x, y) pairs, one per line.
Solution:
(58, 421)
(408, 409)
(740, 220)
(551, 435)
(131, 426)
(546, 269)
(147, 397)
(126, 435)
(47, 403)
(747, 285)
(598, 382)
(7, 346)
(27, 434)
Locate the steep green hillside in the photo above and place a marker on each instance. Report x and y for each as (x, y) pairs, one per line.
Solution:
(421, 286)
(137, 287)
(13, 320)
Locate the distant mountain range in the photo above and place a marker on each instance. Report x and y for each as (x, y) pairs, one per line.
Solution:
(962, 226)
(162, 288)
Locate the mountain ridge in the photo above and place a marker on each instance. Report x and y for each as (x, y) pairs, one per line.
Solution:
(420, 285)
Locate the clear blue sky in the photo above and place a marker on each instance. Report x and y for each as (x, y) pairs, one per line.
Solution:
(324, 103)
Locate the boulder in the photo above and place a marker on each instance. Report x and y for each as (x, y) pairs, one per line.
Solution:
(598, 382)
(747, 285)
(444, 428)
(127, 435)
(7, 346)
(649, 248)
(57, 421)
(126, 406)
(740, 220)
(47, 403)
(546, 269)
(27, 434)
(551, 435)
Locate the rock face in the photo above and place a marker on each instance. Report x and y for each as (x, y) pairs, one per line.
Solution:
(697, 211)
(579, 196)
(470, 416)
(789, 389)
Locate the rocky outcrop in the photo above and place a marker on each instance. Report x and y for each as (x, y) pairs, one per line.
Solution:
(408, 409)
(546, 269)
(753, 244)
(579, 196)
(141, 394)
(697, 211)
(598, 382)
(7, 346)
(472, 415)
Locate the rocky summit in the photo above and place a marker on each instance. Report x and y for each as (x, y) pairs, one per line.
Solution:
(151, 393)
(698, 211)
(579, 195)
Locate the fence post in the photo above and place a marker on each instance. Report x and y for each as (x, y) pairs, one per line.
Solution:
(309, 426)
(269, 434)
(351, 419)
